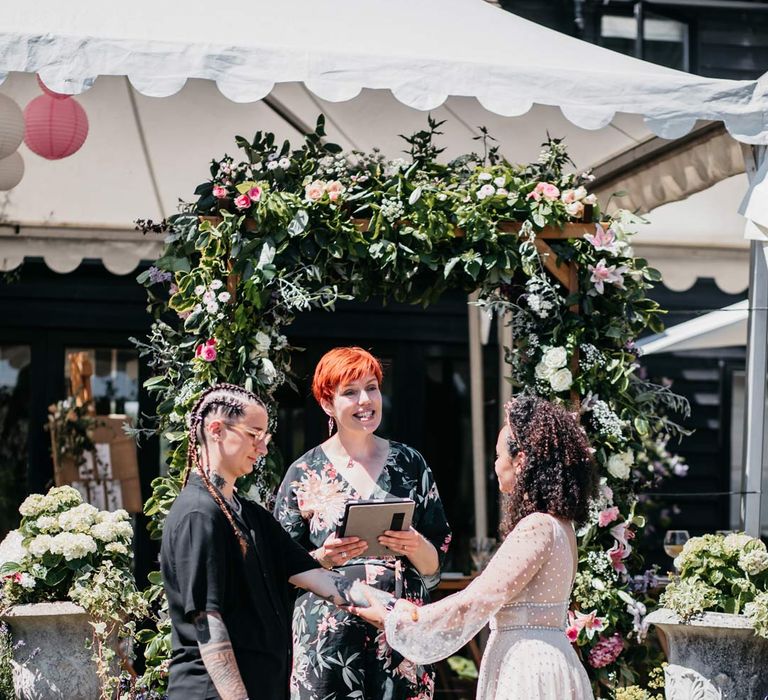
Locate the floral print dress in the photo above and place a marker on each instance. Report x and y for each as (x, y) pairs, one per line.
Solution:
(337, 656)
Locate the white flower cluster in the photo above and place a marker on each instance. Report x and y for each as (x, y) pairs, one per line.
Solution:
(489, 190)
(274, 162)
(754, 562)
(606, 422)
(575, 199)
(392, 209)
(620, 464)
(212, 297)
(331, 166)
(56, 500)
(552, 368)
(590, 357)
(77, 519)
(262, 344)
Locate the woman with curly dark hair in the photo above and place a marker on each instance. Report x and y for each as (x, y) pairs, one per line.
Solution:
(545, 468)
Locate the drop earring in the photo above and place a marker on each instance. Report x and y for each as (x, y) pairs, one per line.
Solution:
(331, 425)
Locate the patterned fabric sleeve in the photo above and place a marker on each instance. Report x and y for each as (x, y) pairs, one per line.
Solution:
(286, 510)
(429, 518)
(442, 628)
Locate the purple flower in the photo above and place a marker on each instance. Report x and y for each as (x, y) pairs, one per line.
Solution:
(156, 275)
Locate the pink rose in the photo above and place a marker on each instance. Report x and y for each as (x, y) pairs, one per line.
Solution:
(568, 196)
(607, 516)
(545, 190)
(207, 350)
(243, 201)
(219, 192)
(314, 190)
(254, 194)
(334, 190)
(575, 209)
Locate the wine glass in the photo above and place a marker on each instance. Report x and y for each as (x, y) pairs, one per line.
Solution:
(481, 550)
(674, 540)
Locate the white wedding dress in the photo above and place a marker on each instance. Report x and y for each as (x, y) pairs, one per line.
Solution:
(524, 593)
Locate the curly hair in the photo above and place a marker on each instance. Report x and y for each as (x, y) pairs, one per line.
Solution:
(559, 475)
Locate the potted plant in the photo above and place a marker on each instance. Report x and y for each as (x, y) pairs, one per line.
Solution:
(715, 617)
(68, 592)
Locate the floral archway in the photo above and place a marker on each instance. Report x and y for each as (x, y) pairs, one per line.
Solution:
(287, 230)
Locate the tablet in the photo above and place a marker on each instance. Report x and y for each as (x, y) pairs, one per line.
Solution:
(369, 519)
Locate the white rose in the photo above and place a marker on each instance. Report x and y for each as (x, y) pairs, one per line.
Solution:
(561, 380)
(619, 465)
(574, 209)
(580, 192)
(555, 357)
(590, 199)
(263, 342)
(500, 181)
(486, 191)
(484, 177)
(543, 371)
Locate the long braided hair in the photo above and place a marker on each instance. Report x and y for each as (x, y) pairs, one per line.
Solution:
(227, 401)
(560, 475)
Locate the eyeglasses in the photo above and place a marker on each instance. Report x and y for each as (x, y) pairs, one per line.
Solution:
(255, 435)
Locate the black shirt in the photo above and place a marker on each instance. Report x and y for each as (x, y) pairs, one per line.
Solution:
(203, 570)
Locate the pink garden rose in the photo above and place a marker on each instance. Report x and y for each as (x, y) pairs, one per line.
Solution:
(575, 209)
(544, 190)
(334, 190)
(243, 201)
(219, 192)
(607, 516)
(314, 190)
(207, 350)
(568, 196)
(254, 194)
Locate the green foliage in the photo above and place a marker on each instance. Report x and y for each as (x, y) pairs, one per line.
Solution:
(286, 230)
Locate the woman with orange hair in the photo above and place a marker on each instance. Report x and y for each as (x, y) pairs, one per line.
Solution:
(337, 655)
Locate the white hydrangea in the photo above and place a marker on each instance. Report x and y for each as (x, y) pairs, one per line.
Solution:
(46, 523)
(117, 548)
(27, 581)
(73, 545)
(78, 519)
(754, 561)
(735, 542)
(12, 547)
(111, 530)
(63, 497)
(33, 505)
(40, 545)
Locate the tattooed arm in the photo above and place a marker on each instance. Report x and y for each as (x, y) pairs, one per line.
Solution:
(337, 588)
(218, 656)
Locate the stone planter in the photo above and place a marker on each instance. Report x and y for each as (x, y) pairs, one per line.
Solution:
(714, 657)
(53, 663)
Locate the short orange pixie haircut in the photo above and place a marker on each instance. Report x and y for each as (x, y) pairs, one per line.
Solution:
(341, 366)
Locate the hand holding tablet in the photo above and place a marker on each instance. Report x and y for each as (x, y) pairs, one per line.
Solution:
(369, 520)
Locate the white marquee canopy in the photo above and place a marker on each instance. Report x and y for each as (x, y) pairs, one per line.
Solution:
(461, 58)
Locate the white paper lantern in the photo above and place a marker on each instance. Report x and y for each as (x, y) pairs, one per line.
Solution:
(11, 171)
(11, 126)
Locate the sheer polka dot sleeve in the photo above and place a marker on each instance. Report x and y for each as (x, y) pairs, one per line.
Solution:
(444, 627)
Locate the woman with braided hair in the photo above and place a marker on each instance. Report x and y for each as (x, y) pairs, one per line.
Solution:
(228, 567)
(544, 465)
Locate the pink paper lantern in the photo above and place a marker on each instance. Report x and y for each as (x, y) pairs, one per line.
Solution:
(55, 128)
(48, 91)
